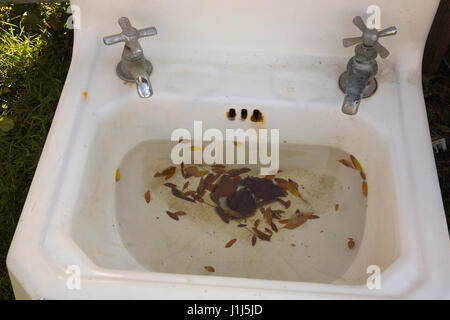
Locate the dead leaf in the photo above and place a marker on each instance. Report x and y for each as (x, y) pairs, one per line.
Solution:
(172, 215)
(147, 196)
(346, 163)
(350, 243)
(336, 207)
(261, 234)
(170, 185)
(191, 171)
(268, 215)
(274, 227)
(292, 187)
(230, 243)
(236, 172)
(356, 163)
(365, 189)
(253, 240)
(117, 175)
(186, 185)
(286, 204)
(296, 220)
(177, 193)
(209, 268)
(180, 213)
(167, 173)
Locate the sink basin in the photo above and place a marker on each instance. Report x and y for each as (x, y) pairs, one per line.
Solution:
(77, 214)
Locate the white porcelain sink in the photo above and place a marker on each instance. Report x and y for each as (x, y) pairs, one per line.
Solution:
(283, 59)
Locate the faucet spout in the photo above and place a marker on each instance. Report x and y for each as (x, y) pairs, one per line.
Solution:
(350, 105)
(144, 87)
(357, 82)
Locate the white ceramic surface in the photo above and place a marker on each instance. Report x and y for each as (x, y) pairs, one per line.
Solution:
(283, 58)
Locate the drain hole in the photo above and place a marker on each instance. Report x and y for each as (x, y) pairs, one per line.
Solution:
(243, 114)
(257, 116)
(231, 114)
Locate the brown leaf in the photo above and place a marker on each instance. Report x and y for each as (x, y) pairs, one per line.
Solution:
(172, 215)
(336, 207)
(268, 230)
(182, 171)
(236, 172)
(296, 220)
(293, 245)
(261, 234)
(346, 163)
(170, 185)
(167, 173)
(256, 223)
(276, 214)
(313, 216)
(281, 181)
(253, 240)
(350, 243)
(147, 196)
(192, 171)
(268, 216)
(186, 185)
(177, 193)
(286, 204)
(209, 268)
(223, 215)
(201, 187)
(240, 225)
(189, 193)
(218, 170)
(274, 227)
(230, 243)
(180, 213)
(209, 180)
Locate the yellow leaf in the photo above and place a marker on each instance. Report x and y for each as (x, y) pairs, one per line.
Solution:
(365, 189)
(117, 175)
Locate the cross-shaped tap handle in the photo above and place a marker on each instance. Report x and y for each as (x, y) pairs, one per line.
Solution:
(370, 37)
(130, 36)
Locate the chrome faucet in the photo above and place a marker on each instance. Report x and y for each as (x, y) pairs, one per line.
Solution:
(359, 81)
(133, 67)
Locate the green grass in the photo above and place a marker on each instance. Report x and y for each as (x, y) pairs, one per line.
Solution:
(35, 53)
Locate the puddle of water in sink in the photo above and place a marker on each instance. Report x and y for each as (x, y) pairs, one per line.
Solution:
(316, 251)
